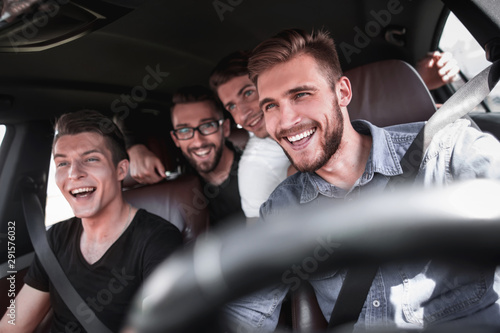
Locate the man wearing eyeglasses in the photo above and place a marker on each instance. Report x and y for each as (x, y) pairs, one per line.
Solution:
(200, 131)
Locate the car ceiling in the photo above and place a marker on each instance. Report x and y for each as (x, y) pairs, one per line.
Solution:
(186, 39)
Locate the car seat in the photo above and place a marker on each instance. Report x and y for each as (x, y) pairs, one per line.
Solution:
(179, 201)
(389, 92)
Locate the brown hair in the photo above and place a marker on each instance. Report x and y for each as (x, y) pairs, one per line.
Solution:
(92, 121)
(293, 42)
(231, 66)
(193, 94)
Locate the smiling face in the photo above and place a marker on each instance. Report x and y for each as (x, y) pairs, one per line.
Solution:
(86, 174)
(240, 98)
(202, 151)
(301, 111)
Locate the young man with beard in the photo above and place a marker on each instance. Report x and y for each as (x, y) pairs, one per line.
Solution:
(304, 98)
(109, 248)
(200, 132)
(263, 164)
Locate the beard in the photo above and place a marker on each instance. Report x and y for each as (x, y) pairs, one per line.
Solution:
(328, 146)
(207, 166)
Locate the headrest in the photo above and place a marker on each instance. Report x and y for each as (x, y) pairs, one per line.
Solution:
(179, 201)
(389, 92)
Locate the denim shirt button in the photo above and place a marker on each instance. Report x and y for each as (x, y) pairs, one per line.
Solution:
(376, 303)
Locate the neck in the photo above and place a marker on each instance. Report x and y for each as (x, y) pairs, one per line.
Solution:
(221, 171)
(348, 164)
(109, 224)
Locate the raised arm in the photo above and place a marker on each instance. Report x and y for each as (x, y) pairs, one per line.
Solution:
(145, 167)
(437, 69)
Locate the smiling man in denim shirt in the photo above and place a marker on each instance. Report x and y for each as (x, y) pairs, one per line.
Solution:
(305, 98)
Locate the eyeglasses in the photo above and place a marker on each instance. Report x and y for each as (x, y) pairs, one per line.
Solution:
(187, 133)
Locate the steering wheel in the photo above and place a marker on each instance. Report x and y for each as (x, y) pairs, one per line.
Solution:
(185, 293)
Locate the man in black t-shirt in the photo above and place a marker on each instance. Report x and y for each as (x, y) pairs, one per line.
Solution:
(109, 248)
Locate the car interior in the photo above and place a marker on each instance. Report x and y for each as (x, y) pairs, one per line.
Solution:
(126, 58)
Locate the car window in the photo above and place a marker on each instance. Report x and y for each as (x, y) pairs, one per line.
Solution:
(57, 208)
(2, 133)
(470, 56)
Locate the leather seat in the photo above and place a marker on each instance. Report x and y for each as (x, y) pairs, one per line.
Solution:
(389, 92)
(179, 201)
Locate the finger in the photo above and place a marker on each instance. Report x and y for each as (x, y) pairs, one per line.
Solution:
(160, 169)
(153, 179)
(448, 67)
(453, 73)
(444, 58)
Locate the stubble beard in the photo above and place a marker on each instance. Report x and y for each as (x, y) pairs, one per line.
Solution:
(328, 147)
(208, 166)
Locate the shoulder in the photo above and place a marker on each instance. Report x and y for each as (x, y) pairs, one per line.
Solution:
(286, 194)
(404, 132)
(147, 224)
(63, 230)
(264, 151)
(458, 131)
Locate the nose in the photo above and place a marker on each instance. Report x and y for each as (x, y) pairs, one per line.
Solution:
(197, 138)
(245, 109)
(76, 171)
(289, 116)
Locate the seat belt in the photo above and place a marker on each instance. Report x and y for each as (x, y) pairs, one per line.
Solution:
(457, 106)
(34, 216)
(358, 280)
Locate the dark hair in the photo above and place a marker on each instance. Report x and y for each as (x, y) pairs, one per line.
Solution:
(291, 43)
(198, 93)
(92, 121)
(231, 66)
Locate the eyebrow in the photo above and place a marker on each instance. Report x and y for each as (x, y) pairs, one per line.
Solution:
(88, 152)
(288, 93)
(244, 87)
(204, 120)
(238, 94)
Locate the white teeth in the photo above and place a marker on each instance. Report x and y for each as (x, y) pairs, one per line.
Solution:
(202, 152)
(301, 135)
(82, 190)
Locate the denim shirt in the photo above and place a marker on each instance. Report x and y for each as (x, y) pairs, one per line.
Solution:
(405, 295)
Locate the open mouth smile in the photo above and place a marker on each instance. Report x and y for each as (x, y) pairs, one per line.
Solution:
(201, 152)
(82, 192)
(301, 136)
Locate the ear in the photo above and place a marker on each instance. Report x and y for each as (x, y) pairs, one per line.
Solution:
(226, 127)
(175, 139)
(122, 169)
(344, 91)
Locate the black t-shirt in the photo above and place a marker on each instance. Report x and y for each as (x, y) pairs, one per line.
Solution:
(108, 285)
(224, 201)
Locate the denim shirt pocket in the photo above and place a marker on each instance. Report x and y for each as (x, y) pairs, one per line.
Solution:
(442, 293)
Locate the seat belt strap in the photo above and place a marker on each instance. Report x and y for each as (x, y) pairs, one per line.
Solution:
(33, 213)
(457, 106)
(358, 281)
(352, 296)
